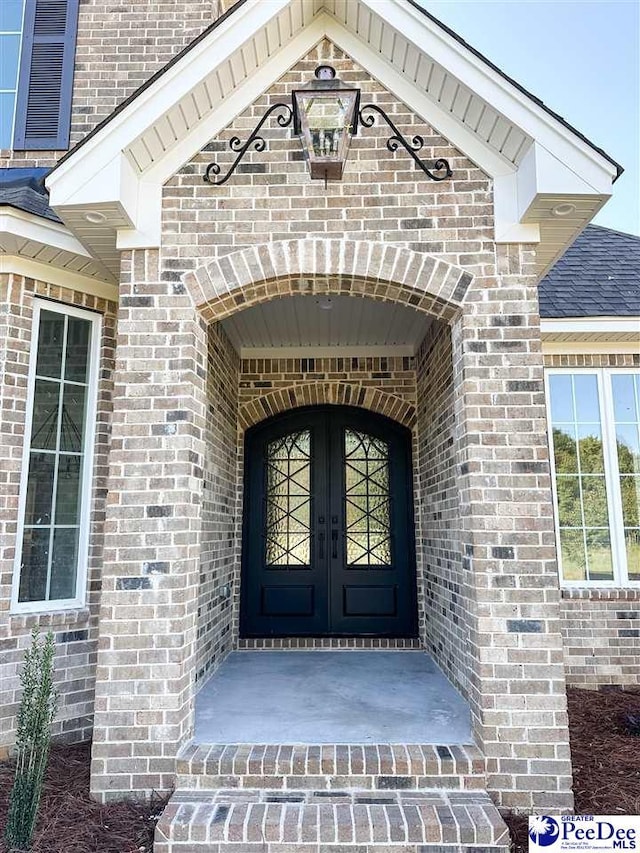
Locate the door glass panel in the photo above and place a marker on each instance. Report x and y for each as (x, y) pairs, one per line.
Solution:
(368, 513)
(288, 500)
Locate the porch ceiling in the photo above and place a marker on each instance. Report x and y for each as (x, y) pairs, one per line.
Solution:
(346, 324)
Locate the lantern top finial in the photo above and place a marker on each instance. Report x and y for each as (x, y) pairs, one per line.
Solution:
(325, 72)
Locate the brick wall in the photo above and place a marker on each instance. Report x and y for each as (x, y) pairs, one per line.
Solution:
(443, 610)
(75, 631)
(381, 196)
(220, 545)
(600, 628)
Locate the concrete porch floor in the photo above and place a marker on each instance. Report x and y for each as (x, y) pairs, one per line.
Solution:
(314, 697)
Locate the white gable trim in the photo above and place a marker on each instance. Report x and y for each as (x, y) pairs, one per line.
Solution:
(120, 171)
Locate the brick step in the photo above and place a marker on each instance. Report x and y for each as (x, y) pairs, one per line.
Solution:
(331, 766)
(273, 821)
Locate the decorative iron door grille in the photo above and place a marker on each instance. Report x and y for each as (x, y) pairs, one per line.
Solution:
(328, 542)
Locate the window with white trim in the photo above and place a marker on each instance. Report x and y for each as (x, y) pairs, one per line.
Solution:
(594, 417)
(56, 481)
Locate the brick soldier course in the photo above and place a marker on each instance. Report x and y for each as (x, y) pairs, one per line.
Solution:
(175, 401)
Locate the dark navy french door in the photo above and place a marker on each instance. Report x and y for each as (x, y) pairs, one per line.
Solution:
(328, 536)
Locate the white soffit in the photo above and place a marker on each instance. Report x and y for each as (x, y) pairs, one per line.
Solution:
(592, 329)
(538, 164)
(296, 323)
(50, 246)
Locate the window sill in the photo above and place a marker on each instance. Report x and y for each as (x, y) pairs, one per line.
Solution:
(49, 618)
(602, 593)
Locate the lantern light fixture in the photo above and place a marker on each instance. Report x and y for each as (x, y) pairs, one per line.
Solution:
(325, 114)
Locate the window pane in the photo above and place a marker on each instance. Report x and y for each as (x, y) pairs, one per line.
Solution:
(632, 543)
(630, 489)
(624, 398)
(50, 341)
(40, 488)
(586, 398)
(599, 555)
(11, 15)
(35, 561)
(590, 449)
(67, 492)
(569, 504)
(594, 497)
(72, 426)
(9, 53)
(627, 437)
(7, 104)
(561, 398)
(44, 430)
(565, 450)
(77, 350)
(64, 563)
(574, 566)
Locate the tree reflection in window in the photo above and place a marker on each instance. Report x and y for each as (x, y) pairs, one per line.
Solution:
(581, 492)
(288, 500)
(626, 403)
(368, 514)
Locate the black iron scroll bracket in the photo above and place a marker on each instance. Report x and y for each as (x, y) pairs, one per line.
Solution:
(258, 142)
(397, 139)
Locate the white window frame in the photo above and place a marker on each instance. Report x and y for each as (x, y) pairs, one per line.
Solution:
(95, 319)
(611, 475)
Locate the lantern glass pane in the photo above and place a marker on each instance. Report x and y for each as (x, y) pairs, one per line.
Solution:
(328, 119)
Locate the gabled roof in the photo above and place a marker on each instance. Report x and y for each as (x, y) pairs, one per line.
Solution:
(548, 180)
(230, 11)
(598, 276)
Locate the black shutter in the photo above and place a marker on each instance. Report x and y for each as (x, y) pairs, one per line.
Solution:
(43, 106)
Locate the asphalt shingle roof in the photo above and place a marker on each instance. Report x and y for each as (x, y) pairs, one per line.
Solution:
(598, 276)
(24, 189)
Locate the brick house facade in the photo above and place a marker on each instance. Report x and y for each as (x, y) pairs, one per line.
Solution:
(176, 282)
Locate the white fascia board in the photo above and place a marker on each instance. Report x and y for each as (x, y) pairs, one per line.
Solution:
(16, 224)
(591, 325)
(59, 276)
(496, 90)
(151, 104)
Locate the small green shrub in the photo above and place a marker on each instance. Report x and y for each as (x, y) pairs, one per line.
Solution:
(33, 738)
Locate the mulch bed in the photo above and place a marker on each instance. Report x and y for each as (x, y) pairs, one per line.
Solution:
(70, 822)
(606, 763)
(606, 758)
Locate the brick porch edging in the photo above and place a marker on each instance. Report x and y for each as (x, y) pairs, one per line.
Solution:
(331, 766)
(248, 820)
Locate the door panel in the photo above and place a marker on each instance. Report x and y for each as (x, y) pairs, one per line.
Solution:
(328, 545)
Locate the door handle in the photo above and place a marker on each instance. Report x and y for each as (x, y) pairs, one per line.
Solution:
(321, 545)
(334, 542)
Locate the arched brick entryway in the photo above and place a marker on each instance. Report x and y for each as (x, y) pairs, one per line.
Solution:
(380, 271)
(323, 393)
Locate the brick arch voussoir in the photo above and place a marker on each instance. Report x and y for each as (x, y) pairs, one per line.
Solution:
(326, 393)
(381, 271)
